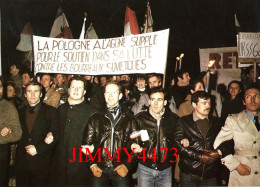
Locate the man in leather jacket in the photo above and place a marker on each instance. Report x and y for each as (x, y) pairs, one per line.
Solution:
(199, 162)
(158, 154)
(109, 133)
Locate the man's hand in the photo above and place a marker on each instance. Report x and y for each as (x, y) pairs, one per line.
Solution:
(136, 148)
(121, 170)
(206, 159)
(89, 147)
(213, 153)
(97, 172)
(243, 169)
(5, 131)
(185, 142)
(31, 150)
(49, 138)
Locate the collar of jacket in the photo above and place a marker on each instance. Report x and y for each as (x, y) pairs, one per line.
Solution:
(124, 110)
(77, 106)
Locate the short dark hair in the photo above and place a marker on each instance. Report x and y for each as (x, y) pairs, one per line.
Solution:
(194, 82)
(46, 74)
(179, 74)
(140, 77)
(33, 83)
(236, 82)
(77, 78)
(29, 73)
(156, 90)
(251, 87)
(155, 75)
(199, 94)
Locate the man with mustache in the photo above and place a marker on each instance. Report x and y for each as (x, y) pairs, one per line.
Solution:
(199, 164)
(244, 129)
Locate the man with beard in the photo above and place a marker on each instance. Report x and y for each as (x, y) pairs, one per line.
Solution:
(73, 117)
(10, 131)
(244, 129)
(111, 131)
(33, 155)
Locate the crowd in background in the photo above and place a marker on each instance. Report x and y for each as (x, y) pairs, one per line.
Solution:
(135, 96)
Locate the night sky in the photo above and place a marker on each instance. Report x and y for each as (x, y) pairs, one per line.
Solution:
(193, 24)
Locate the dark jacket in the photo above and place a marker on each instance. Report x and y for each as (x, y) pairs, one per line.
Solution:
(179, 94)
(161, 137)
(190, 156)
(100, 131)
(232, 106)
(37, 167)
(72, 122)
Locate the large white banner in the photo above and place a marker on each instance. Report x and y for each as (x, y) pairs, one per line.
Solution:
(226, 63)
(144, 53)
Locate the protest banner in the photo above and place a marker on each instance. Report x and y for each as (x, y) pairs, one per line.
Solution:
(226, 63)
(144, 53)
(249, 47)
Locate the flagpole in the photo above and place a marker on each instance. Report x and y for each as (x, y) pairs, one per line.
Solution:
(164, 75)
(32, 61)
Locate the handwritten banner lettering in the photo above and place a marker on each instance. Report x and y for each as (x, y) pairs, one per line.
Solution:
(144, 53)
(249, 47)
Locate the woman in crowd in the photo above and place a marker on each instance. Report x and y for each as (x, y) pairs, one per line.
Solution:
(234, 102)
(13, 94)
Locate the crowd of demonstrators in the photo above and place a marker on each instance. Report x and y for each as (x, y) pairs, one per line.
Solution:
(58, 117)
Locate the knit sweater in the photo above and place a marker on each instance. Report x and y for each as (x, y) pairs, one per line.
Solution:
(9, 118)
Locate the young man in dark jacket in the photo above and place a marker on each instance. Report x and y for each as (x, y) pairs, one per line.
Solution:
(156, 168)
(73, 117)
(33, 154)
(199, 162)
(109, 133)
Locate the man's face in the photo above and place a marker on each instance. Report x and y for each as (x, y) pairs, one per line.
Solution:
(202, 107)
(154, 82)
(251, 75)
(76, 90)
(199, 87)
(252, 100)
(13, 70)
(103, 81)
(26, 78)
(33, 94)
(140, 83)
(112, 95)
(60, 79)
(1, 90)
(234, 89)
(157, 102)
(186, 79)
(46, 81)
